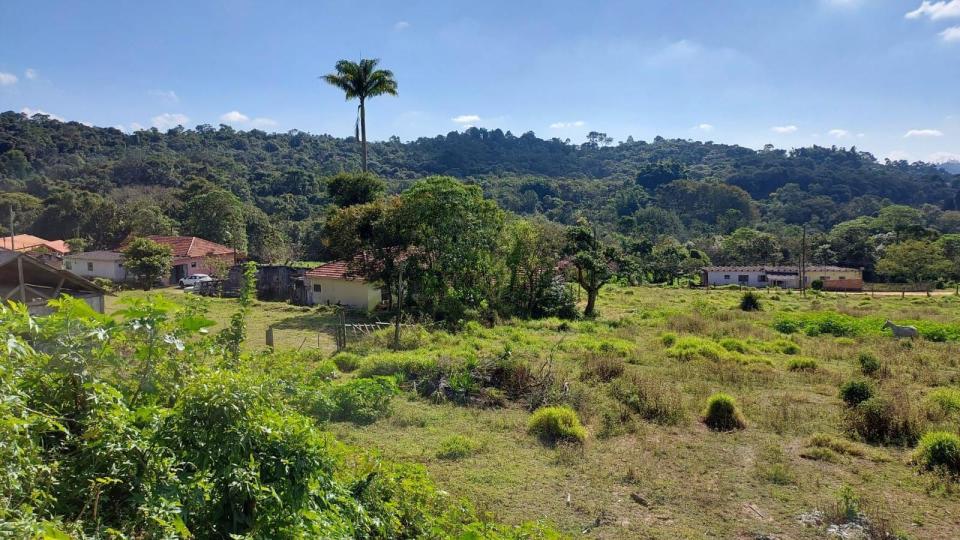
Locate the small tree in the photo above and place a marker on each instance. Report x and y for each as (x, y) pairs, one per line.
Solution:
(348, 189)
(594, 262)
(147, 260)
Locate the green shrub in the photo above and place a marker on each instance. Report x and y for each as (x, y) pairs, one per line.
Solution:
(652, 400)
(939, 451)
(869, 364)
(817, 284)
(785, 346)
(855, 392)
(555, 424)
(943, 402)
(722, 413)
(346, 362)
(668, 339)
(457, 447)
(802, 364)
(750, 301)
(363, 400)
(886, 420)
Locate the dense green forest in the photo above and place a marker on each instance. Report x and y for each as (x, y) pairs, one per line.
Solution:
(267, 193)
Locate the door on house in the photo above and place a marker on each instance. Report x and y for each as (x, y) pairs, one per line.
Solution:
(179, 272)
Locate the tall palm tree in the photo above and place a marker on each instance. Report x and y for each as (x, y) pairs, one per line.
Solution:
(361, 81)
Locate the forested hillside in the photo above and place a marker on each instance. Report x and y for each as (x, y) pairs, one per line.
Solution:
(267, 192)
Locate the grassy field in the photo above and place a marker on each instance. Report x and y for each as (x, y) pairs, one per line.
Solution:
(657, 471)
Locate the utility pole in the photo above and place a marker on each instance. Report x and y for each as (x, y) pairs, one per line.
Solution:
(803, 262)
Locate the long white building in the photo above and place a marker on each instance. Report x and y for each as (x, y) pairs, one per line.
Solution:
(834, 278)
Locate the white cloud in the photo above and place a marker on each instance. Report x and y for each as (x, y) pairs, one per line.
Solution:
(839, 133)
(262, 122)
(466, 119)
(8, 79)
(165, 95)
(565, 125)
(30, 112)
(942, 157)
(30, 73)
(861, 135)
(704, 127)
(897, 155)
(783, 130)
(169, 120)
(923, 133)
(936, 10)
(401, 25)
(951, 34)
(234, 117)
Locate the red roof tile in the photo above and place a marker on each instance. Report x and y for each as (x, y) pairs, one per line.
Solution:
(333, 270)
(28, 242)
(191, 246)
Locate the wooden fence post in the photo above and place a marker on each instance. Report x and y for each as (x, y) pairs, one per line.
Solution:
(270, 337)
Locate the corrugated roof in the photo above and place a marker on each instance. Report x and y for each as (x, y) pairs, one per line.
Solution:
(29, 242)
(101, 255)
(777, 269)
(39, 273)
(334, 270)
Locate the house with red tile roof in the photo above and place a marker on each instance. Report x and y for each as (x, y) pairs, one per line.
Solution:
(193, 255)
(335, 283)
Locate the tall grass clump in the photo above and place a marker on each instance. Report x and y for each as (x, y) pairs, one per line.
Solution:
(346, 361)
(556, 424)
(750, 301)
(939, 451)
(722, 413)
(602, 368)
(690, 347)
(653, 400)
(886, 419)
(457, 447)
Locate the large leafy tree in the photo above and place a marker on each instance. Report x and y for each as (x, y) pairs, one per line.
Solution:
(347, 189)
(147, 260)
(914, 261)
(362, 80)
(215, 214)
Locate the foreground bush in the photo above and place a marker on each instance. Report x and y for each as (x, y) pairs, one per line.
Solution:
(943, 403)
(939, 451)
(363, 400)
(556, 424)
(869, 364)
(722, 413)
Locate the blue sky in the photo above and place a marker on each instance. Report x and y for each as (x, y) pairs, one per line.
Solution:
(883, 75)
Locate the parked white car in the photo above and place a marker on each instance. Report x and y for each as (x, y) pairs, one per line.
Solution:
(193, 279)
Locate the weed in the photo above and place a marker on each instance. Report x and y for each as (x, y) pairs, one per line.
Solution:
(650, 399)
(346, 362)
(750, 301)
(456, 447)
(943, 403)
(887, 419)
(602, 368)
(690, 347)
(869, 364)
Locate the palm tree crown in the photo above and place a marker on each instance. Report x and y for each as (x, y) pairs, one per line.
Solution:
(362, 80)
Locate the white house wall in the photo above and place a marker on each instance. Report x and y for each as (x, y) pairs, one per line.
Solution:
(112, 270)
(352, 293)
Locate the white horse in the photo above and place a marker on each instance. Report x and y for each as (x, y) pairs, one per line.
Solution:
(902, 331)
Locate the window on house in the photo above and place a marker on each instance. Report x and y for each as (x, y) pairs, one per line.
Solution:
(743, 278)
(824, 278)
(726, 276)
(193, 264)
(69, 265)
(762, 278)
(316, 287)
(841, 277)
(89, 267)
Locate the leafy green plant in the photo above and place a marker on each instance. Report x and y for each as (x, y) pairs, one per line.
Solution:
(886, 419)
(869, 365)
(855, 392)
(750, 301)
(722, 413)
(939, 451)
(346, 361)
(555, 424)
(363, 400)
(802, 364)
(650, 399)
